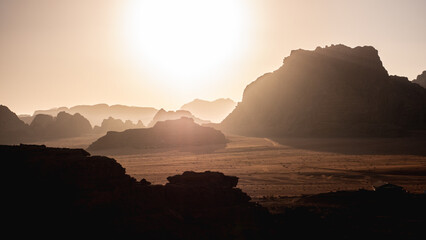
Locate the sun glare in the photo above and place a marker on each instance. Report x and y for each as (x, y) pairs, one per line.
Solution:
(180, 42)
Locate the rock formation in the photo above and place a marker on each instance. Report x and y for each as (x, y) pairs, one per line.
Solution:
(62, 126)
(170, 133)
(163, 115)
(214, 111)
(421, 79)
(12, 129)
(42, 127)
(331, 91)
(112, 124)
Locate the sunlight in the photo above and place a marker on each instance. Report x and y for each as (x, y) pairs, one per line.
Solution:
(180, 42)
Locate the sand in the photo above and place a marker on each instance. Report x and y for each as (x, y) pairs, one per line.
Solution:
(283, 167)
(291, 166)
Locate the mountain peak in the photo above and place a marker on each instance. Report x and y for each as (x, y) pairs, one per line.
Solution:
(365, 56)
(330, 91)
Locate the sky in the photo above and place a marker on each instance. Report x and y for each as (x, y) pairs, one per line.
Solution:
(166, 53)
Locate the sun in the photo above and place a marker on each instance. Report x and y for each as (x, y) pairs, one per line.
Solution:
(181, 42)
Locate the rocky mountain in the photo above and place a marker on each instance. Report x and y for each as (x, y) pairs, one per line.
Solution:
(331, 91)
(12, 129)
(112, 124)
(421, 79)
(62, 126)
(97, 113)
(163, 115)
(214, 111)
(170, 133)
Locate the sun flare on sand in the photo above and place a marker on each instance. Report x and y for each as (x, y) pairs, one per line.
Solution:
(182, 42)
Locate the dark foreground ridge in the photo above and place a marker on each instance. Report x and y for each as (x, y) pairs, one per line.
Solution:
(54, 192)
(170, 133)
(67, 191)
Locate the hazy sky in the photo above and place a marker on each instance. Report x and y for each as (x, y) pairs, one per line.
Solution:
(165, 53)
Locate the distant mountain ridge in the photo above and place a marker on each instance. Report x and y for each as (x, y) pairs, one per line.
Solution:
(163, 115)
(43, 127)
(112, 124)
(64, 125)
(214, 111)
(97, 113)
(331, 91)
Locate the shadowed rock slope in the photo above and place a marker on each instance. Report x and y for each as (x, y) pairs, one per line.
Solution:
(421, 79)
(171, 133)
(331, 91)
(67, 191)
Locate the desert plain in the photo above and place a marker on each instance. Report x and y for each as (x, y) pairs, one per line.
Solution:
(273, 168)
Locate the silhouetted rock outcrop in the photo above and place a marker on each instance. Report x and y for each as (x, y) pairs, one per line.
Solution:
(62, 126)
(421, 79)
(331, 91)
(170, 133)
(97, 113)
(112, 124)
(214, 111)
(59, 191)
(163, 115)
(12, 129)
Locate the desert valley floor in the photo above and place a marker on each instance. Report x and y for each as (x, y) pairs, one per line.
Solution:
(285, 167)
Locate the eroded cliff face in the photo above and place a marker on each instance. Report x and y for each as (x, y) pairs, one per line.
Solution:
(331, 91)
